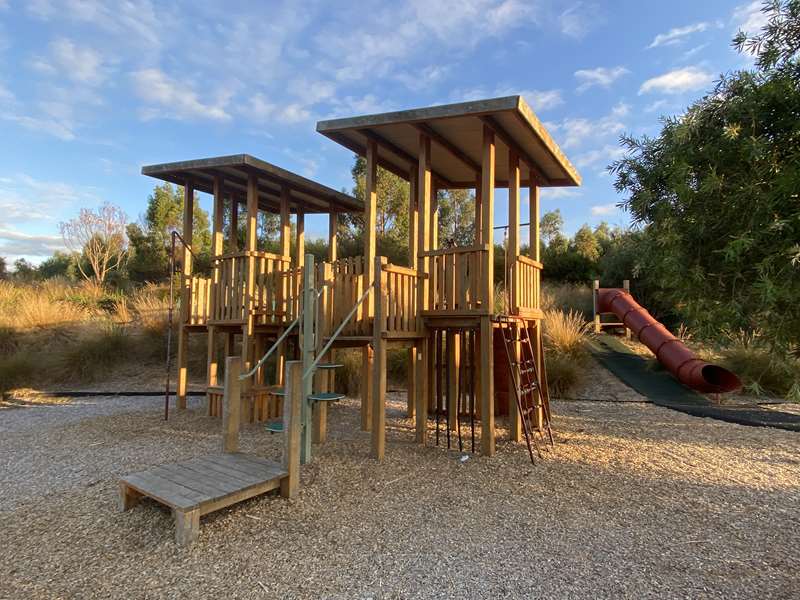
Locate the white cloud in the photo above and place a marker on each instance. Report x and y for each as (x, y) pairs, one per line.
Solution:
(603, 210)
(678, 34)
(579, 19)
(539, 100)
(554, 193)
(601, 76)
(692, 51)
(15, 244)
(677, 81)
(749, 17)
(81, 64)
(52, 127)
(576, 132)
(606, 155)
(168, 98)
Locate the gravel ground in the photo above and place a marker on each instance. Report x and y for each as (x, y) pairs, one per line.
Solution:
(635, 501)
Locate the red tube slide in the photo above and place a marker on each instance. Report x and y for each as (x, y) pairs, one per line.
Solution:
(669, 350)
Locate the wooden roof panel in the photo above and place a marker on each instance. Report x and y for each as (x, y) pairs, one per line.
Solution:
(305, 194)
(457, 134)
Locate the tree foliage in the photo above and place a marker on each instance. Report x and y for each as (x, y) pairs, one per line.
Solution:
(99, 237)
(150, 239)
(716, 195)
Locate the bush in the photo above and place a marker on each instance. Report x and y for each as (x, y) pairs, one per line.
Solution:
(763, 373)
(17, 370)
(567, 297)
(565, 333)
(563, 373)
(94, 354)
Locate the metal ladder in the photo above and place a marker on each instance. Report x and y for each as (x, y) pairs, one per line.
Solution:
(530, 386)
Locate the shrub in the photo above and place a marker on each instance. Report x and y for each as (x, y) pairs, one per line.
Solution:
(565, 333)
(18, 369)
(575, 297)
(763, 373)
(563, 373)
(94, 354)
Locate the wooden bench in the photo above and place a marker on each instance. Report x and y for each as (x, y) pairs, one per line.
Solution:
(204, 484)
(196, 487)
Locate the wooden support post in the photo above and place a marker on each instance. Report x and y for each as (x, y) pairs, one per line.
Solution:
(453, 366)
(535, 235)
(300, 246)
(487, 218)
(514, 420)
(323, 377)
(595, 309)
(187, 526)
(231, 404)
(292, 405)
(128, 497)
(251, 233)
(212, 368)
(379, 368)
(217, 245)
(367, 358)
(487, 386)
(423, 188)
(333, 237)
(478, 209)
(182, 360)
(370, 223)
(413, 242)
(233, 241)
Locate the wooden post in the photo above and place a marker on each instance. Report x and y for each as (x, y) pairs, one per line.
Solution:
(367, 358)
(186, 274)
(217, 243)
(307, 355)
(423, 188)
(233, 241)
(379, 369)
(300, 246)
(485, 335)
(323, 377)
(370, 223)
(251, 233)
(291, 426)
(231, 404)
(333, 256)
(514, 421)
(478, 209)
(333, 237)
(413, 241)
(534, 219)
(284, 242)
(596, 313)
(453, 366)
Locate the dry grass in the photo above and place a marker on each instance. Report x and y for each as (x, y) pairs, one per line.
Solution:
(565, 332)
(151, 306)
(37, 306)
(567, 297)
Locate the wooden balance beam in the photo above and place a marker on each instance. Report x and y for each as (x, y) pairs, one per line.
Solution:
(202, 485)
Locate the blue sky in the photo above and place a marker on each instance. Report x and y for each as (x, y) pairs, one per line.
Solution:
(91, 90)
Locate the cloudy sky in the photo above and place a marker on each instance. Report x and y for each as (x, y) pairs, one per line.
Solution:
(91, 90)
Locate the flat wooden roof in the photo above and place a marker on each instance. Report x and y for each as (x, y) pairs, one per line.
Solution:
(310, 196)
(456, 132)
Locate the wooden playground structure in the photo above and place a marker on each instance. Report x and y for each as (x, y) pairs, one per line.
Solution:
(440, 306)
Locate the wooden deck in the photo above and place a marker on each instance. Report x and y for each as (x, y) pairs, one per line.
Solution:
(202, 485)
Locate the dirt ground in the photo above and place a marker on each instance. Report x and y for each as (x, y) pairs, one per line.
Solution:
(634, 501)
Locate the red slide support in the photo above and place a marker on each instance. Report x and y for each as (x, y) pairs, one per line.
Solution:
(669, 350)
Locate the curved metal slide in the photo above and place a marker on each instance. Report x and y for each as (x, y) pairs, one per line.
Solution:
(669, 350)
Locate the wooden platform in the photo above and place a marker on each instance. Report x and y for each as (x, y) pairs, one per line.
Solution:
(202, 485)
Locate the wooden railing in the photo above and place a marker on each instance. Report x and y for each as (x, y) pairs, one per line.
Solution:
(276, 293)
(347, 286)
(454, 279)
(525, 282)
(199, 300)
(275, 290)
(399, 296)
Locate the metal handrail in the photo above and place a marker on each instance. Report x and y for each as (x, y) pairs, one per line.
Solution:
(339, 330)
(264, 358)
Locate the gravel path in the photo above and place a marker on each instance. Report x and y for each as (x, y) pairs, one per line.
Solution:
(635, 501)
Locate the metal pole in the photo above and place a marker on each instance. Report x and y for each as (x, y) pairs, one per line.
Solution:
(307, 355)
